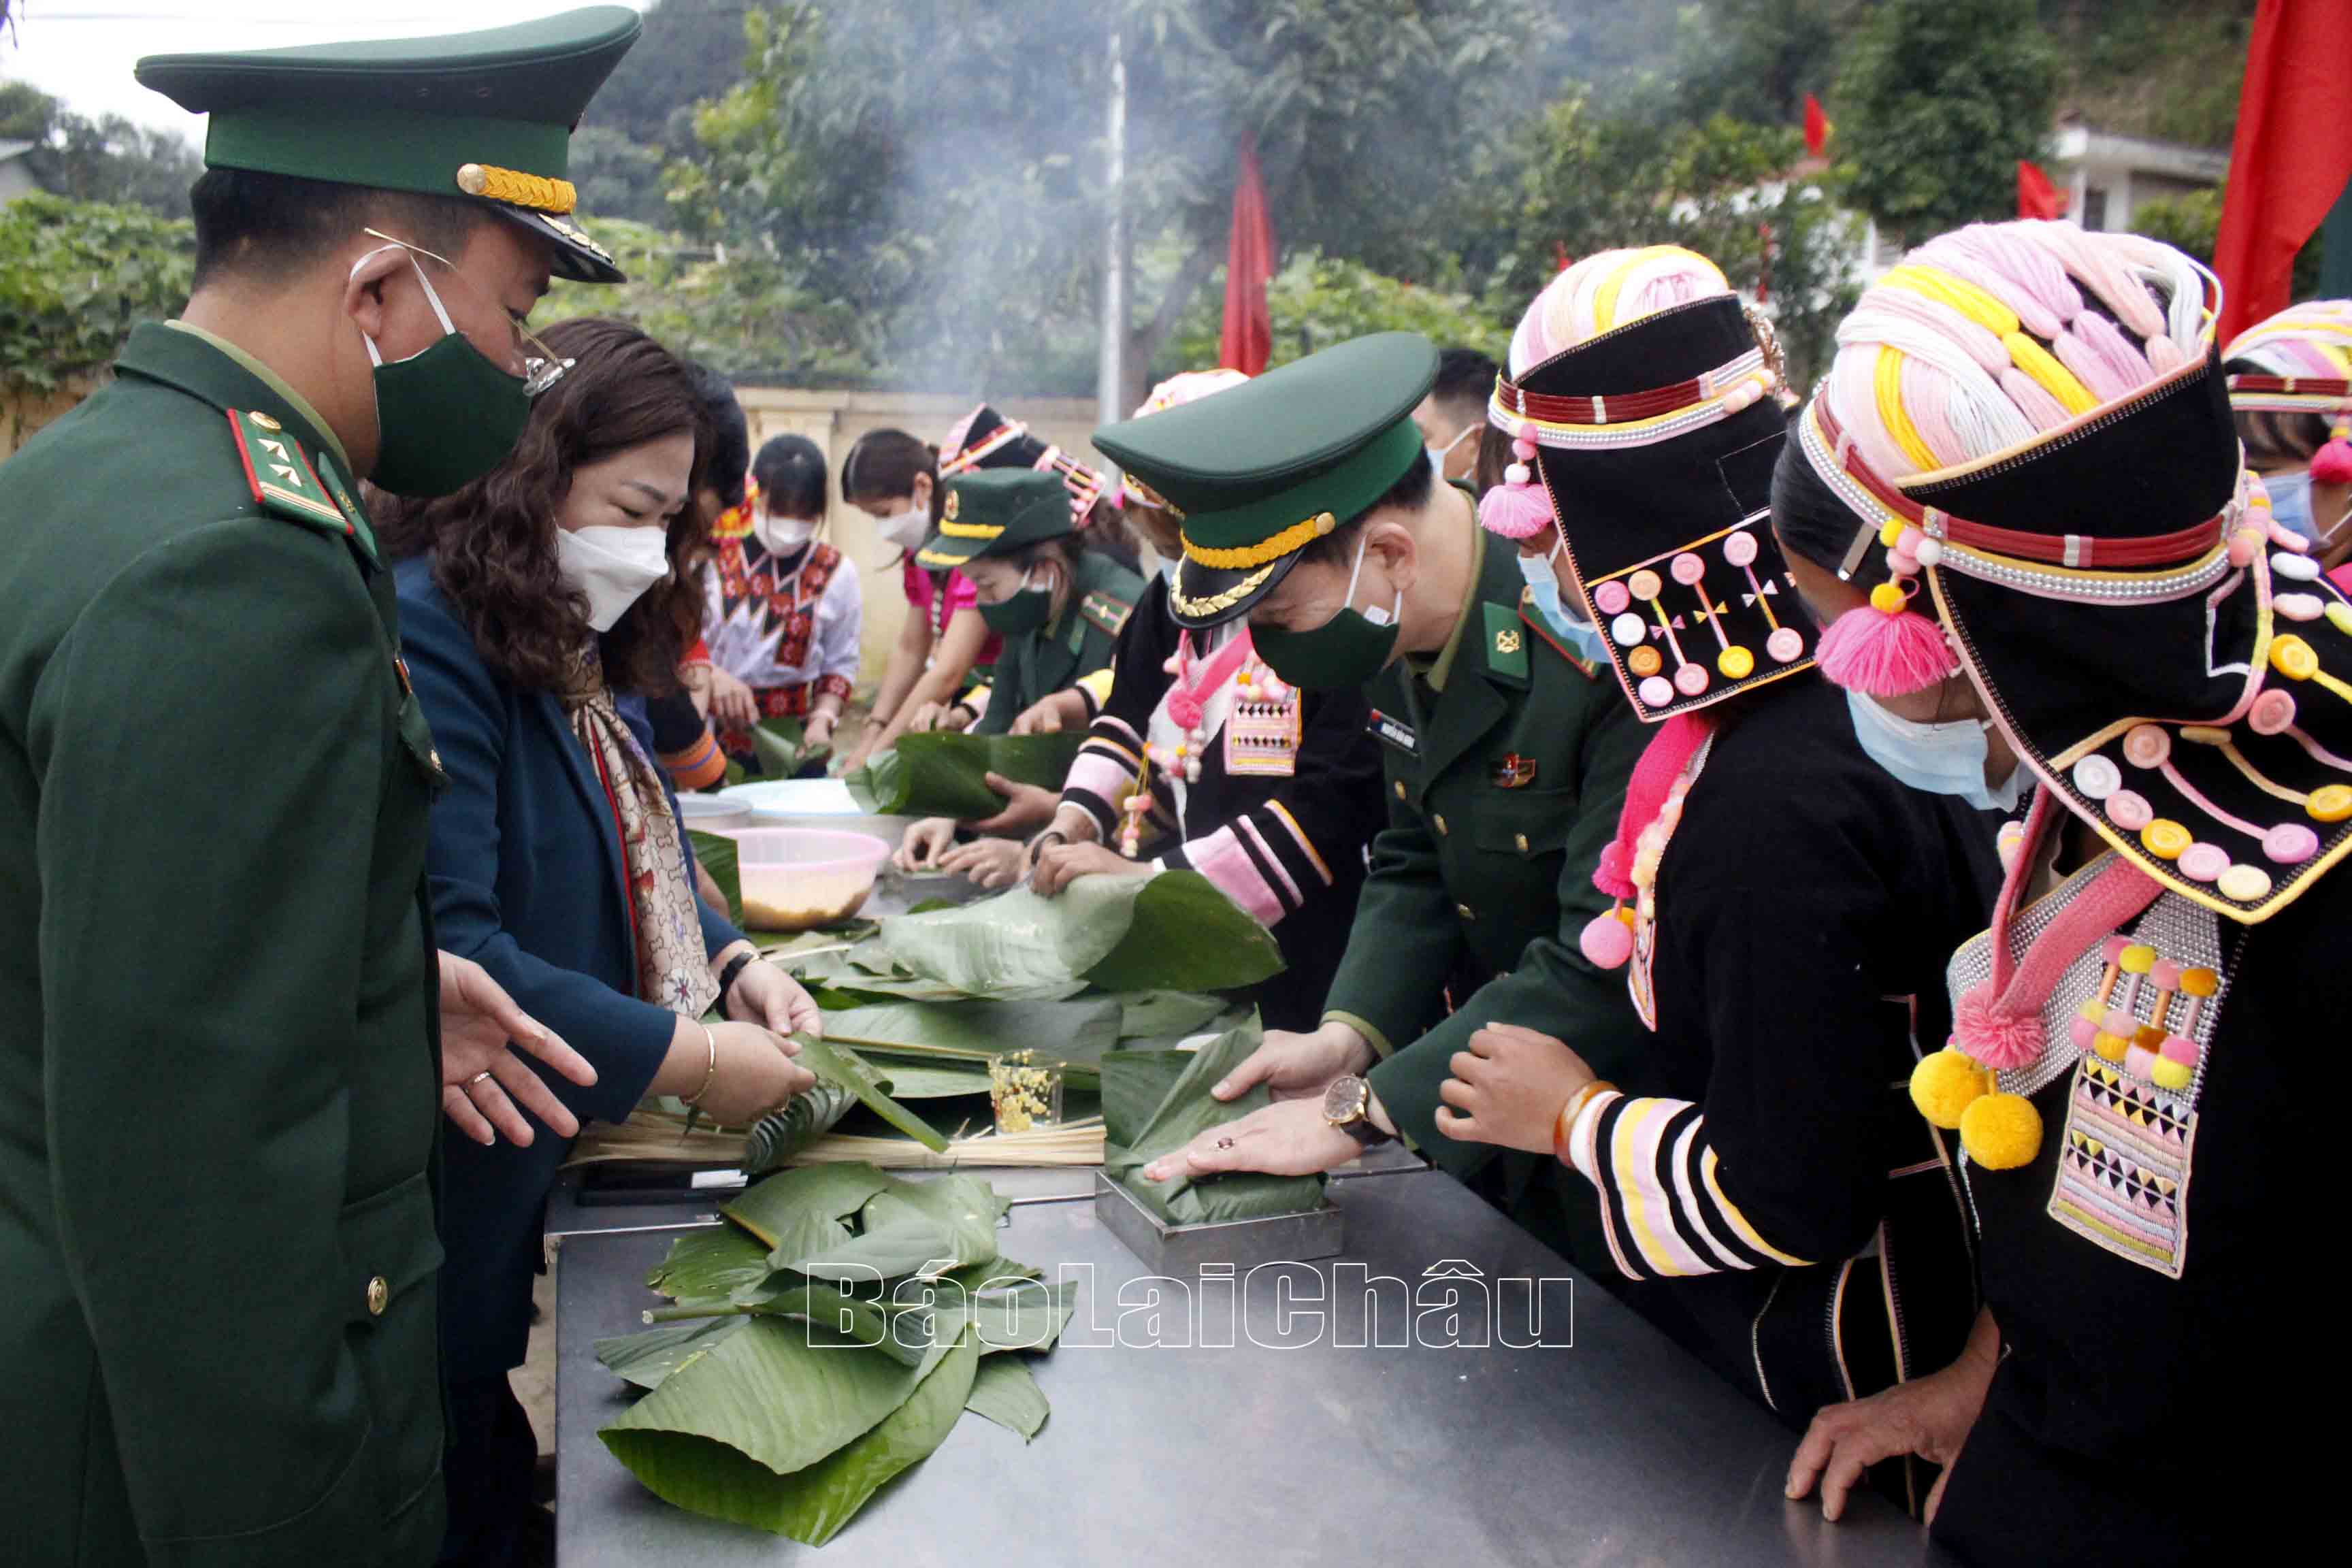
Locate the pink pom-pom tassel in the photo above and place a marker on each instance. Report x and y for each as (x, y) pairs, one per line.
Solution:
(1613, 873)
(1880, 654)
(2332, 463)
(2002, 1041)
(1515, 511)
(1607, 940)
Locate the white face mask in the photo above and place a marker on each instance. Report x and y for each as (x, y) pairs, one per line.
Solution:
(907, 529)
(1939, 759)
(1437, 455)
(612, 566)
(783, 535)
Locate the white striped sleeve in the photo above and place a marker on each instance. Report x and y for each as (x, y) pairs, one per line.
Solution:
(1662, 1203)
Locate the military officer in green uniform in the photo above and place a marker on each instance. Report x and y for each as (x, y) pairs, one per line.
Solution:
(1309, 507)
(1059, 607)
(218, 1052)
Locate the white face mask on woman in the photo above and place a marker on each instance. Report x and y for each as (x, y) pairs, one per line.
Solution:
(612, 567)
(908, 529)
(783, 535)
(1939, 759)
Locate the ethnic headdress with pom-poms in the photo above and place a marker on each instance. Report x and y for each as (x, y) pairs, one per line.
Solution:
(1636, 396)
(985, 439)
(2045, 407)
(1183, 387)
(2300, 362)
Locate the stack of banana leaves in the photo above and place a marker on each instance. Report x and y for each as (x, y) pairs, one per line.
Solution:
(827, 1337)
(916, 1005)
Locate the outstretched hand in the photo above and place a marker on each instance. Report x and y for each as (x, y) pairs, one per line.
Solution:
(482, 1078)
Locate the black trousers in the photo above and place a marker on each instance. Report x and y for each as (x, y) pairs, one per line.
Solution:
(489, 1470)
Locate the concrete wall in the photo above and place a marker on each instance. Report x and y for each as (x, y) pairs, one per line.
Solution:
(834, 420)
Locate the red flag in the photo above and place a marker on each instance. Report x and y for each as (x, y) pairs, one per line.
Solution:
(2036, 196)
(2292, 156)
(1248, 337)
(1562, 260)
(1817, 126)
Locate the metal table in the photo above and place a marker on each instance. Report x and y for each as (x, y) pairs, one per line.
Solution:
(1616, 1448)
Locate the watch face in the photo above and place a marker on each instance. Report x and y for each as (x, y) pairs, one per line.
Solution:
(1344, 1101)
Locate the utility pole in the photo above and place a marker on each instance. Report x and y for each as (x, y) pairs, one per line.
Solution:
(1110, 389)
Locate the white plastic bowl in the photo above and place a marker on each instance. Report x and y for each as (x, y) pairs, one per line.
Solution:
(770, 799)
(709, 813)
(796, 878)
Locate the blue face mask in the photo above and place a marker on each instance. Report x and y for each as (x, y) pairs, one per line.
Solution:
(1580, 637)
(2290, 500)
(1939, 759)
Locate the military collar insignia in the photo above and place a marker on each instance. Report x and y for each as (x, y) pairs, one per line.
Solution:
(1512, 770)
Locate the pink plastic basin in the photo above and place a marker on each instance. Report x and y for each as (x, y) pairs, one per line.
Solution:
(796, 878)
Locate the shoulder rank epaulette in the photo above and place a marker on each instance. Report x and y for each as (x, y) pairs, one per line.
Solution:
(284, 481)
(1588, 667)
(1506, 645)
(1105, 611)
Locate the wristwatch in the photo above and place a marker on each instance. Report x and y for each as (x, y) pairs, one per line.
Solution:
(1347, 1105)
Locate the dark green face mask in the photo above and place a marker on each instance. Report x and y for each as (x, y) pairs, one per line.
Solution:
(1346, 651)
(1026, 610)
(446, 417)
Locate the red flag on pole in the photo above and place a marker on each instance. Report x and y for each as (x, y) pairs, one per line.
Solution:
(2291, 158)
(1248, 337)
(1817, 126)
(2036, 196)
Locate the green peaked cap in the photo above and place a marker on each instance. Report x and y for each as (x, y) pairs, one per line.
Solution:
(994, 512)
(484, 116)
(1256, 468)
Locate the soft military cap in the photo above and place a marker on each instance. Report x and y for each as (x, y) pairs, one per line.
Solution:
(995, 511)
(1261, 471)
(485, 116)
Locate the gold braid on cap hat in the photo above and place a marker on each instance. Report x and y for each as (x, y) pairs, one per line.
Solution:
(1296, 537)
(518, 189)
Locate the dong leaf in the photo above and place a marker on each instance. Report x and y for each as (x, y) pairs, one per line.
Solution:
(780, 745)
(1079, 1030)
(914, 1227)
(944, 773)
(805, 1117)
(840, 1065)
(715, 1261)
(1185, 1110)
(1006, 1391)
(647, 1358)
(800, 1212)
(716, 851)
(1170, 932)
(768, 1393)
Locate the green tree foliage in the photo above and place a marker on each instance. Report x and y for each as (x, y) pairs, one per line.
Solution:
(1937, 101)
(2190, 223)
(110, 159)
(1316, 300)
(2167, 68)
(74, 277)
(1756, 59)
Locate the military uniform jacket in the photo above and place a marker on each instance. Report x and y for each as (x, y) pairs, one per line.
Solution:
(1036, 664)
(1283, 838)
(1502, 789)
(219, 1107)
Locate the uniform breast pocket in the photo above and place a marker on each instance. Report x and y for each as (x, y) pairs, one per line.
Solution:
(1525, 823)
(389, 1254)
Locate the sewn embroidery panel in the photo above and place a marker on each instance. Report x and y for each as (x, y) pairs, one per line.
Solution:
(2131, 1020)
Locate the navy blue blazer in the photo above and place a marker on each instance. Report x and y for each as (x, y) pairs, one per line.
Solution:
(525, 868)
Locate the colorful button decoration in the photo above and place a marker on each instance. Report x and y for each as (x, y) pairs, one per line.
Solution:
(2295, 568)
(1612, 598)
(2290, 844)
(2202, 862)
(1785, 645)
(1627, 630)
(2339, 615)
(2097, 777)
(1644, 661)
(2329, 803)
(2291, 656)
(2272, 713)
(2129, 810)
(2298, 606)
(2165, 840)
(1737, 663)
(1657, 691)
(1644, 584)
(2147, 746)
(1691, 679)
(2244, 884)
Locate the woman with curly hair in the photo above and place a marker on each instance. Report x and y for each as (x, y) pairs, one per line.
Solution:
(531, 601)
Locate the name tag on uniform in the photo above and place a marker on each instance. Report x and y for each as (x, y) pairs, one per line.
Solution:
(1396, 732)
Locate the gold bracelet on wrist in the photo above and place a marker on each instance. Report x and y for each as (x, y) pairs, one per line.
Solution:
(711, 1074)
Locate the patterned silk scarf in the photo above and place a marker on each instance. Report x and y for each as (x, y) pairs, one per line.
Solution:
(673, 968)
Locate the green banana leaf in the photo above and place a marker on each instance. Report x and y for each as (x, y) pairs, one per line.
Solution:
(943, 773)
(840, 1065)
(1026, 1315)
(781, 746)
(1184, 1110)
(1077, 1030)
(915, 1227)
(778, 1136)
(723, 1462)
(644, 1359)
(768, 1393)
(788, 1211)
(930, 1079)
(1006, 1391)
(1160, 1015)
(712, 1262)
(717, 853)
(1170, 932)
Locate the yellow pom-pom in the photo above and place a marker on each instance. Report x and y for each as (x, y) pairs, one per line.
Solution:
(1942, 1085)
(2001, 1131)
(1889, 531)
(1887, 599)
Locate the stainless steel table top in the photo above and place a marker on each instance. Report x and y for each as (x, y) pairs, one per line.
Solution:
(1603, 1443)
